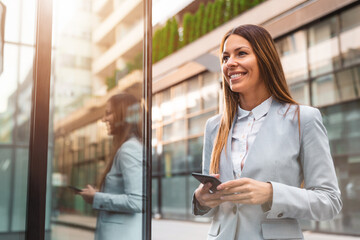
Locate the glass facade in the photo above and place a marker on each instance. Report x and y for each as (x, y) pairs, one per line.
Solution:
(16, 85)
(179, 116)
(96, 124)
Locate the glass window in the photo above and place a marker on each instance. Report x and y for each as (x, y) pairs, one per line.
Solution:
(292, 51)
(349, 84)
(154, 195)
(5, 178)
(323, 47)
(197, 123)
(209, 90)
(174, 158)
(350, 30)
(174, 131)
(300, 92)
(155, 109)
(174, 199)
(166, 107)
(179, 100)
(332, 88)
(324, 90)
(20, 193)
(193, 95)
(8, 83)
(195, 154)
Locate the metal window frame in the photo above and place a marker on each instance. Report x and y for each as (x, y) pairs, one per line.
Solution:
(39, 122)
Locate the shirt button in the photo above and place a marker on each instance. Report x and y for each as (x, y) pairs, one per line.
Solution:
(234, 209)
(280, 215)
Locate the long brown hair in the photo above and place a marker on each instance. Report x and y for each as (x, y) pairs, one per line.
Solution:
(127, 123)
(271, 72)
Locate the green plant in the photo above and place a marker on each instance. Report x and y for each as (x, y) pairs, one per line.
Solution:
(228, 11)
(110, 82)
(219, 13)
(205, 23)
(173, 36)
(235, 7)
(187, 28)
(199, 18)
(211, 20)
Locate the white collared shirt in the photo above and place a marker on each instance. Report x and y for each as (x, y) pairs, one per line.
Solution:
(246, 128)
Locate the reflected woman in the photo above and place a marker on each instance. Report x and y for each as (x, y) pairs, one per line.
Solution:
(119, 200)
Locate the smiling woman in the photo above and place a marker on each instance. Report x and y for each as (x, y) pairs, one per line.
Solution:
(262, 148)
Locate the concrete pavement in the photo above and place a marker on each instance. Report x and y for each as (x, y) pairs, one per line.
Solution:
(82, 227)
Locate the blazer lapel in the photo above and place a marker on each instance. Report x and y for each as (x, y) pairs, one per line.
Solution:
(263, 140)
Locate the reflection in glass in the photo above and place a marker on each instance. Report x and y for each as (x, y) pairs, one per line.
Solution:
(350, 30)
(119, 196)
(179, 100)
(300, 92)
(166, 107)
(193, 95)
(333, 88)
(174, 158)
(324, 90)
(342, 122)
(292, 52)
(197, 123)
(323, 47)
(195, 154)
(19, 197)
(171, 131)
(6, 162)
(174, 199)
(8, 84)
(209, 90)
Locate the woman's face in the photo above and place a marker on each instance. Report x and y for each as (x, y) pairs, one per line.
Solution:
(109, 119)
(240, 67)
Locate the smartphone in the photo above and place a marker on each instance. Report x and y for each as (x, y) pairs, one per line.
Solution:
(207, 178)
(75, 189)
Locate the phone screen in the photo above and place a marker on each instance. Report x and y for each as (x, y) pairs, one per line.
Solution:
(75, 189)
(207, 178)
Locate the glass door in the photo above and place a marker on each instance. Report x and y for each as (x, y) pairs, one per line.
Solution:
(98, 132)
(17, 54)
(75, 122)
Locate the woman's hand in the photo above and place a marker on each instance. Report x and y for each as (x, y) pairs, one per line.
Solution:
(205, 198)
(88, 194)
(246, 191)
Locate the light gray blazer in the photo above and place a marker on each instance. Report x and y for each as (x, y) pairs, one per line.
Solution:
(278, 156)
(120, 202)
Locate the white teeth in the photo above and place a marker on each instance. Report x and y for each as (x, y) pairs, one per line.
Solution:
(236, 75)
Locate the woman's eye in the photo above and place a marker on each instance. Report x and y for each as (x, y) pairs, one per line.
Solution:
(241, 53)
(225, 59)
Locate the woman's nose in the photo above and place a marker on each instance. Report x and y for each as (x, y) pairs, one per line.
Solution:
(231, 62)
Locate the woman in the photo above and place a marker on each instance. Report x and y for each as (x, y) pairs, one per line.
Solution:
(120, 200)
(262, 148)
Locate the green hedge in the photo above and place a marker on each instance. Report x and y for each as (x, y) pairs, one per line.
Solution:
(166, 40)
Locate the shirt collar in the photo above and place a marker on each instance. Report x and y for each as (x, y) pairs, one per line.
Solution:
(258, 112)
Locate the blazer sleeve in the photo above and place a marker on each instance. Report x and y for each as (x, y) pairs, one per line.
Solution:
(206, 157)
(320, 199)
(128, 163)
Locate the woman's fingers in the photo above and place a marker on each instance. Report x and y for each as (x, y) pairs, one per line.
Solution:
(246, 191)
